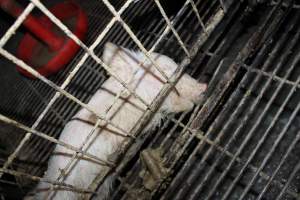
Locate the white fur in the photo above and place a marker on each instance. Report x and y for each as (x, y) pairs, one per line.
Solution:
(124, 113)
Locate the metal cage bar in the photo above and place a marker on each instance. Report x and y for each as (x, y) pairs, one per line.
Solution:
(45, 136)
(272, 125)
(172, 119)
(201, 39)
(19, 21)
(36, 178)
(289, 150)
(12, 29)
(68, 80)
(60, 90)
(64, 172)
(57, 88)
(232, 117)
(249, 166)
(171, 27)
(291, 177)
(251, 110)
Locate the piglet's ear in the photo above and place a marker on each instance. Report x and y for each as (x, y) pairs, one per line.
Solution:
(110, 53)
(116, 58)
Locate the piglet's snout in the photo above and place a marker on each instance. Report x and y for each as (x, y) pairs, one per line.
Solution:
(200, 92)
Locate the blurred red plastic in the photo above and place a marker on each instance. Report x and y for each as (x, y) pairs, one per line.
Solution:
(46, 48)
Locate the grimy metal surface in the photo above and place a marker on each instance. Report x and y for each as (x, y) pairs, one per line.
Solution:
(253, 129)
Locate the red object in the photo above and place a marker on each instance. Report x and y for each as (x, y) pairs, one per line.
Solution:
(49, 49)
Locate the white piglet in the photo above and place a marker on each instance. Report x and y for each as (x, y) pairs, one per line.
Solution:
(125, 112)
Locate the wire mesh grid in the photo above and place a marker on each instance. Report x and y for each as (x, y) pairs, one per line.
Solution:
(59, 88)
(249, 150)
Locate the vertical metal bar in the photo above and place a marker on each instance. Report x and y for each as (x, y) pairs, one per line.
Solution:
(251, 110)
(265, 136)
(218, 139)
(282, 161)
(292, 176)
(267, 132)
(198, 15)
(177, 177)
(172, 27)
(223, 5)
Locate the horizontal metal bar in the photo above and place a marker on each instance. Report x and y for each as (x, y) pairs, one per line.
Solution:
(272, 76)
(51, 139)
(36, 178)
(284, 4)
